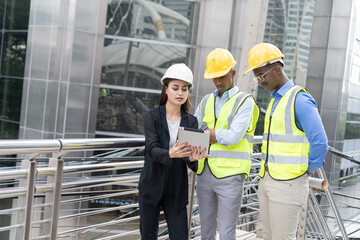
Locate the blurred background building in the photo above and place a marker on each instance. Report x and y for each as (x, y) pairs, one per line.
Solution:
(91, 68)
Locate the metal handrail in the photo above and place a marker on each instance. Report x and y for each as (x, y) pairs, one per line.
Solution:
(60, 147)
(29, 146)
(343, 155)
(67, 145)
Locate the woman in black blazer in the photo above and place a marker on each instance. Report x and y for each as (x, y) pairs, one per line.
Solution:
(164, 181)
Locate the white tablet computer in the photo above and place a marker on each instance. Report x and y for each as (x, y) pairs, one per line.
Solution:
(194, 137)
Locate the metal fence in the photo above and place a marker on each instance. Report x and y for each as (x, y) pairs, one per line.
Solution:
(53, 195)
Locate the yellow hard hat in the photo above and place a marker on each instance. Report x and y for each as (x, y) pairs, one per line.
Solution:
(263, 54)
(218, 63)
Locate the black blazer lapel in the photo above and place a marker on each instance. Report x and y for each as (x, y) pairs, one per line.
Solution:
(164, 127)
(184, 119)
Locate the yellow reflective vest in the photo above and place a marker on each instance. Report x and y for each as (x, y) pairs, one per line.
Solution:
(228, 160)
(285, 148)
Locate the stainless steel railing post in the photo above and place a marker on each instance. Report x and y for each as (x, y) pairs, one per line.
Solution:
(27, 200)
(57, 197)
(53, 196)
(330, 197)
(317, 215)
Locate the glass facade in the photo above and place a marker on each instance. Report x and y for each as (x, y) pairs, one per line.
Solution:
(352, 127)
(14, 18)
(142, 40)
(288, 26)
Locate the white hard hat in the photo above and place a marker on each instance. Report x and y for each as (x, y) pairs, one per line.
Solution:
(179, 71)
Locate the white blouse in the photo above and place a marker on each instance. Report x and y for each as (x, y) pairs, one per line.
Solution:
(173, 131)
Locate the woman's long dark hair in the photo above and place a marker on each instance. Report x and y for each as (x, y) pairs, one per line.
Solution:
(163, 97)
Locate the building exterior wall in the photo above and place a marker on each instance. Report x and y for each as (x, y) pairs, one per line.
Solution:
(352, 125)
(62, 69)
(328, 78)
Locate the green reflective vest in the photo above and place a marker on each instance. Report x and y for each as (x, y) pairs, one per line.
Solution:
(228, 160)
(285, 148)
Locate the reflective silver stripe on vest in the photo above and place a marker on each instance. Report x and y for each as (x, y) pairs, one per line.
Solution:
(288, 125)
(203, 106)
(286, 138)
(286, 159)
(233, 111)
(229, 154)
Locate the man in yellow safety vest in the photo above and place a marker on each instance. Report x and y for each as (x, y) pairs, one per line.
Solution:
(230, 116)
(294, 145)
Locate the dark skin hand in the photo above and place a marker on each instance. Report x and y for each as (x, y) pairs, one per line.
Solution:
(212, 135)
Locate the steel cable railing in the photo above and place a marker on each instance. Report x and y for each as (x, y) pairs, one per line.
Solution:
(79, 199)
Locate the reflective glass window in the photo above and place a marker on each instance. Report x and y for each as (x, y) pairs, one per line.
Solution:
(13, 55)
(10, 106)
(14, 18)
(352, 130)
(288, 26)
(143, 38)
(2, 6)
(295, 29)
(17, 14)
(168, 21)
(139, 64)
(122, 111)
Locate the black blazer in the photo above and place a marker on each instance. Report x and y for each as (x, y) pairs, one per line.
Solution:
(159, 169)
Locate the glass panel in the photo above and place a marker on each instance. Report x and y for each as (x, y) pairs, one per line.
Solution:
(353, 117)
(35, 104)
(14, 51)
(17, 14)
(288, 26)
(77, 114)
(2, 4)
(82, 57)
(352, 130)
(131, 69)
(123, 111)
(140, 65)
(9, 130)
(168, 21)
(10, 99)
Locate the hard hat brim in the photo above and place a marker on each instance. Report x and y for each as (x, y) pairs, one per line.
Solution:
(208, 75)
(266, 63)
(189, 83)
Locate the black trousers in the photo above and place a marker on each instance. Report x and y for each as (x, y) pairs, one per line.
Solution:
(149, 219)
